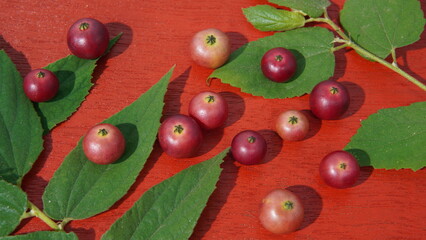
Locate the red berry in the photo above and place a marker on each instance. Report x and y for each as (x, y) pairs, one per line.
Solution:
(279, 64)
(40, 85)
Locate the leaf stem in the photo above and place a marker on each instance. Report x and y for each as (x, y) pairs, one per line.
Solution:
(64, 223)
(347, 42)
(386, 64)
(35, 211)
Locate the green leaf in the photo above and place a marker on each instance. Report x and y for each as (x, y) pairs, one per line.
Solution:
(13, 204)
(380, 26)
(315, 63)
(170, 209)
(268, 18)
(392, 138)
(43, 235)
(21, 139)
(313, 8)
(80, 188)
(74, 75)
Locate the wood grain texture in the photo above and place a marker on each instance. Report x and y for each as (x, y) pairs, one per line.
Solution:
(382, 205)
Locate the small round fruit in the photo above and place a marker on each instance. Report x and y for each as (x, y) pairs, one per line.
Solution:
(209, 109)
(104, 144)
(339, 169)
(281, 211)
(180, 136)
(88, 38)
(329, 100)
(248, 147)
(40, 85)
(292, 125)
(278, 64)
(210, 48)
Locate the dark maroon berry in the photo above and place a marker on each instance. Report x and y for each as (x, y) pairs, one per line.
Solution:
(329, 100)
(339, 169)
(248, 147)
(180, 136)
(88, 38)
(279, 64)
(40, 85)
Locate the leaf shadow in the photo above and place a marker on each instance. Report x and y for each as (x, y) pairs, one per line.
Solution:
(236, 107)
(174, 93)
(123, 43)
(17, 57)
(227, 181)
(314, 123)
(301, 64)
(356, 98)
(115, 28)
(274, 144)
(311, 201)
(132, 140)
(82, 233)
(403, 52)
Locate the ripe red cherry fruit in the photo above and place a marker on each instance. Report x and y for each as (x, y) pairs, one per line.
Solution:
(292, 125)
(329, 100)
(210, 48)
(278, 64)
(248, 147)
(281, 211)
(339, 169)
(40, 85)
(88, 38)
(209, 109)
(104, 144)
(180, 136)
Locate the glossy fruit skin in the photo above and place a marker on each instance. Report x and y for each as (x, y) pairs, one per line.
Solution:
(210, 48)
(339, 169)
(281, 211)
(40, 85)
(180, 136)
(104, 144)
(88, 38)
(329, 100)
(248, 147)
(209, 109)
(292, 125)
(278, 64)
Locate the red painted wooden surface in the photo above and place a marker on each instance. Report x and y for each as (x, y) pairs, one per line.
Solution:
(383, 205)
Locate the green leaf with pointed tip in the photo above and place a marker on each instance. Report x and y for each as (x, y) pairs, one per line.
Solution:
(43, 235)
(380, 26)
(74, 75)
(313, 8)
(315, 63)
(21, 139)
(80, 188)
(170, 209)
(13, 204)
(268, 18)
(392, 138)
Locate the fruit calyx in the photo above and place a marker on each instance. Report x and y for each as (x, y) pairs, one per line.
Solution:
(178, 129)
(102, 132)
(84, 26)
(293, 120)
(210, 99)
(288, 205)
(343, 166)
(334, 90)
(251, 139)
(279, 58)
(211, 40)
(40, 74)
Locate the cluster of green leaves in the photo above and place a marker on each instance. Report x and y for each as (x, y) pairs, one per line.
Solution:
(80, 188)
(373, 28)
